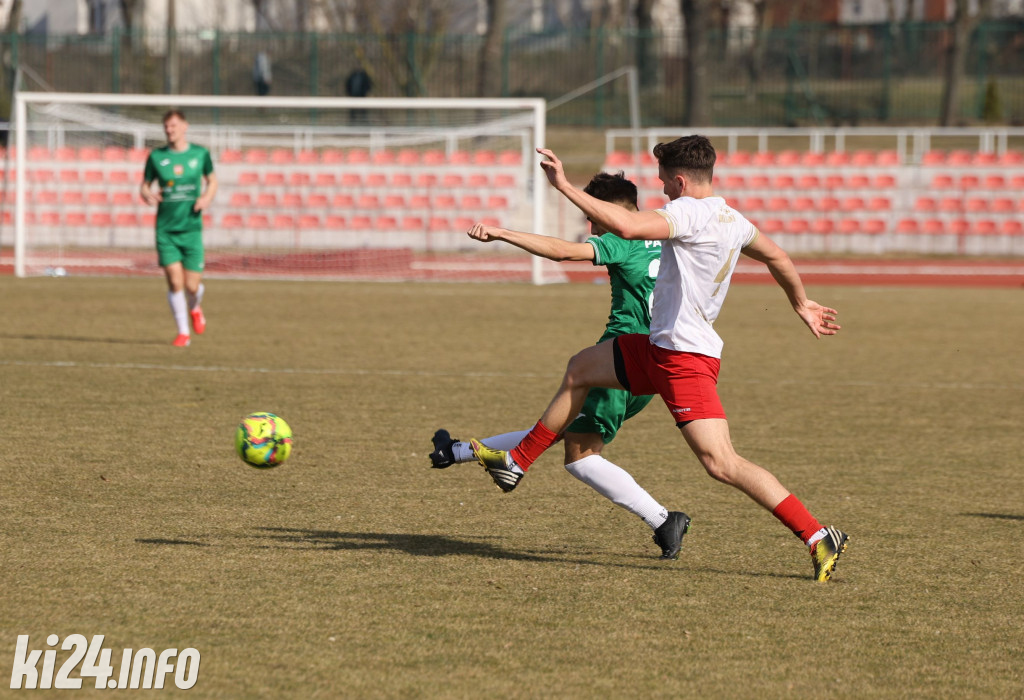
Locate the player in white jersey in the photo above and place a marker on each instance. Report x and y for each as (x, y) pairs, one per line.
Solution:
(679, 359)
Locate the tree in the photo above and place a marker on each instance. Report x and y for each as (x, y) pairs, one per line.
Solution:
(8, 70)
(697, 16)
(646, 56)
(489, 77)
(961, 27)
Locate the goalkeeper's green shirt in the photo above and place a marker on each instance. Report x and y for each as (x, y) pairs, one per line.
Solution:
(632, 269)
(180, 176)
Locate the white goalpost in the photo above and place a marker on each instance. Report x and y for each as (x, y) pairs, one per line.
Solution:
(309, 187)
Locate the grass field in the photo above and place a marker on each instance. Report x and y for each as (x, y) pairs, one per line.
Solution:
(355, 571)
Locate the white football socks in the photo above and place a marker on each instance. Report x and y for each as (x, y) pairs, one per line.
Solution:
(463, 451)
(614, 483)
(194, 300)
(180, 310)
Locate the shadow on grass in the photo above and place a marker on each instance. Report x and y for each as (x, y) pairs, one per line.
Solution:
(163, 540)
(995, 516)
(81, 339)
(423, 545)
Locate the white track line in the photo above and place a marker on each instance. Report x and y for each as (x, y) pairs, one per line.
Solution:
(470, 375)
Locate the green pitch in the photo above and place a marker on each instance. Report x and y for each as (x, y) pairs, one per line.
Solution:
(354, 570)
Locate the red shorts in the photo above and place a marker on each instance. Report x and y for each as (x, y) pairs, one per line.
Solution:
(686, 381)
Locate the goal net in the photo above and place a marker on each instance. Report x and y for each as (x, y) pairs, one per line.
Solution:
(324, 188)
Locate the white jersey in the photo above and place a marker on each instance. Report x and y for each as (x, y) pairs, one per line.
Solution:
(697, 262)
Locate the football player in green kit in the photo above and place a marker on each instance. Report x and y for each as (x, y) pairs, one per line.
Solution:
(186, 183)
(632, 268)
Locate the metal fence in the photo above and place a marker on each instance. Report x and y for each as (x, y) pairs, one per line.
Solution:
(801, 75)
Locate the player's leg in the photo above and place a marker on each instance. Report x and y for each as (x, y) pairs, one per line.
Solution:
(594, 366)
(709, 439)
(193, 262)
(603, 414)
(175, 276)
(449, 451)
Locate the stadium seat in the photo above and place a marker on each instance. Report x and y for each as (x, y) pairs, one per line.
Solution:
(291, 200)
(114, 154)
(438, 223)
(408, 156)
(926, 204)
(485, 157)
(459, 158)
(763, 159)
(969, 182)
(734, 182)
(266, 200)
(325, 180)
(317, 200)
(368, 201)
(101, 219)
(874, 227)
(812, 159)
(43, 197)
(1003, 205)
(137, 155)
(93, 177)
(464, 223)
(858, 182)
(433, 157)
(335, 222)
(283, 221)
(126, 219)
(848, 226)
(97, 199)
(787, 158)
(307, 157)
(394, 201)
(232, 221)
(426, 180)
(783, 182)
(497, 202)
(240, 200)
(444, 201)
(933, 227)
(1011, 158)
(385, 223)
(412, 223)
(258, 221)
(950, 205)
(72, 198)
(68, 177)
(504, 181)
(1012, 227)
(759, 182)
(299, 179)
(451, 181)
(383, 157)
(332, 156)
(908, 226)
(515, 158)
(471, 202)
(120, 177)
(808, 182)
(993, 182)
(887, 158)
(357, 156)
(933, 158)
(877, 204)
(852, 204)
(883, 182)
(307, 221)
(777, 204)
(834, 182)
(401, 179)
(227, 156)
(863, 159)
(478, 181)
(75, 218)
(959, 158)
(248, 178)
(752, 204)
(123, 198)
(976, 205)
(772, 226)
(350, 179)
(376, 180)
(419, 201)
(274, 178)
(255, 156)
(343, 200)
(837, 159)
(282, 156)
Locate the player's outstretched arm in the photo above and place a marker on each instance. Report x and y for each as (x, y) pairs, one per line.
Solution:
(149, 196)
(635, 225)
(820, 319)
(543, 246)
(204, 199)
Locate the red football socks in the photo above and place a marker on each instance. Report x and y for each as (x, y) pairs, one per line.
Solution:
(533, 445)
(794, 516)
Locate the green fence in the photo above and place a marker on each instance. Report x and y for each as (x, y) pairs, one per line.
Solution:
(798, 75)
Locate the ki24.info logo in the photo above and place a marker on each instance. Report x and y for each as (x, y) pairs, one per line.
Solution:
(139, 668)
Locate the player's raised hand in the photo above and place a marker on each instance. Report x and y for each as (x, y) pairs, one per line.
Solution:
(482, 232)
(553, 168)
(820, 319)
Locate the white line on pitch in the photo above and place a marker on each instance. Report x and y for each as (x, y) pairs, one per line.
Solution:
(426, 373)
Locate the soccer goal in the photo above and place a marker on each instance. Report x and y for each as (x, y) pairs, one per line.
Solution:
(324, 188)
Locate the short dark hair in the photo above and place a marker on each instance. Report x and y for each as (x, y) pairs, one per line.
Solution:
(692, 155)
(174, 113)
(612, 188)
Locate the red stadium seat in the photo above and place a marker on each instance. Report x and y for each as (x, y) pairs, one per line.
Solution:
(343, 200)
(910, 226)
(283, 221)
(240, 200)
(332, 156)
(291, 200)
(834, 182)
(376, 180)
(879, 204)
(357, 156)
(307, 157)
(848, 226)
(307, 221)
(759, 182)
(933, 227)
(98, 199)
(258, 221)
(926, 204)
(325, 180)
(101, 219)
(970, 182)
(444, 201)
(783, 182)
(812, 159)
(120, 177)
(734, 182)
(126, 219)
(858, 182)
(93, 177)
(386, 223)
(951, 205)
(439, 223)
(853, 204)
(248, 178)
(419, 201)
(778, 204)
(808, 182)
(433, 157)
(266, 200)
(282, 156)
(351, 180)
(426, 180)
(75, 218)
(274, 179)
(451, 180)
(72, 198)
(317, 200)
(1011, 227)
(368, 201)
(788, 158)
(114, 154)
(232, 221)
(993, 182)
(874, 226)
(862, 159)
(496, 202)
(976, 205)
(335, 222)
(884, 182)
(255, 156)
(408, 156)
(763, 158)
(516, 158)
(299, 179)
(478, 180)
(412, 223)
(401, 179)
(1003, 205)
(383, 157)
(471, 201)
(837, 159)
(122, 198)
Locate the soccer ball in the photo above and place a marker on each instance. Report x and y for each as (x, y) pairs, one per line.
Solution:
(263, 440)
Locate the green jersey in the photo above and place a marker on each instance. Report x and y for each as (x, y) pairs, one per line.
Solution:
(180, 176)
(632, 269)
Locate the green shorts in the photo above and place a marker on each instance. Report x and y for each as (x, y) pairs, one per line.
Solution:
(185, 247)
(605, 410)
